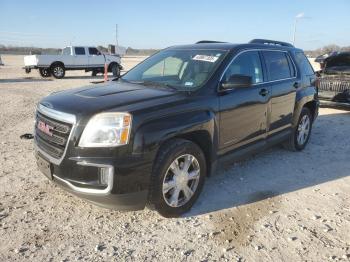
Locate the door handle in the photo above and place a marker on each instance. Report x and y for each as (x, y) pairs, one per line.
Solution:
(264, 92)
(296, 85)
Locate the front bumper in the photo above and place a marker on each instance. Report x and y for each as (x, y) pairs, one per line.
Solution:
(334, 104)
(126, 186)
(335, 99)
(115, 178)
(130, 201)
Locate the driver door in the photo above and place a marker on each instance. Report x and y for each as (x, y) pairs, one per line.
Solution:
(244, 111)
(96, 59)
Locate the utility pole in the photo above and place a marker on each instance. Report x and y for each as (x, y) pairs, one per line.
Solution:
(295, 29)
(297, 18)
(116, 37)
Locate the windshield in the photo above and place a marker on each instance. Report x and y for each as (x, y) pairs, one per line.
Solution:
(66, 51)
(181, 69)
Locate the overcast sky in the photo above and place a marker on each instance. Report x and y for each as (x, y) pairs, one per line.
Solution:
(158, 24)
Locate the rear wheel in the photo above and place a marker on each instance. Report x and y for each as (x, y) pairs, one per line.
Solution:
(44, 72)
(301, 133)
(94, 73)
(115, 70)
(58, 71)
(178, 177)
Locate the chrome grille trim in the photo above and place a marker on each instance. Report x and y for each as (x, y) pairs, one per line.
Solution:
(334, 84)
(59, 116)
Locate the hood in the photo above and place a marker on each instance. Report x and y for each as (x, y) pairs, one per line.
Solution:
(108, 96)
(338, 64)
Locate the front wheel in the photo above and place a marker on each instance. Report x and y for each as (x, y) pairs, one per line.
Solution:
(115, 70)
(58, 71)
(301, 133)
(178, 177)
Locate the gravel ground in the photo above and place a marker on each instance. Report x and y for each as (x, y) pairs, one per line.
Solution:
(275, 206)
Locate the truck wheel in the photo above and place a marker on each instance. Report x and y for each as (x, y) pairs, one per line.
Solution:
(44, 72)
(115, 70)
(301, 133)
(94, 73)
(177, 178)
(58, 71)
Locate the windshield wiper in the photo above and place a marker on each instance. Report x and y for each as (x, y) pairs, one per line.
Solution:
(154, 83)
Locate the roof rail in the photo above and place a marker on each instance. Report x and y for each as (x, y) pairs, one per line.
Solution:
(208, 42)
(270, 42)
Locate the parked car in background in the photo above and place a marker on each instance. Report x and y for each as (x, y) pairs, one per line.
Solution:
(334, 80)
(73, 58)
(152, 136)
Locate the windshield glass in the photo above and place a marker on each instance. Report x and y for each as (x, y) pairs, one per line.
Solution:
(181, 69)
(66, 51)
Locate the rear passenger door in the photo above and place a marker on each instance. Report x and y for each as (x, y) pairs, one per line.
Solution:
(281, 74)
(80, 57)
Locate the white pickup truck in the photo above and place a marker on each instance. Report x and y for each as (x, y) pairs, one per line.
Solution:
(73, 58)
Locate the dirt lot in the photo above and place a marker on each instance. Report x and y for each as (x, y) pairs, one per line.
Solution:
(276, 206)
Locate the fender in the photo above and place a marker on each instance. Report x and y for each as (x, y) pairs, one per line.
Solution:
(151, 135)
(303, 96)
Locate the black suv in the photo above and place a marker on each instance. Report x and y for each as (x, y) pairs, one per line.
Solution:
(152, 136)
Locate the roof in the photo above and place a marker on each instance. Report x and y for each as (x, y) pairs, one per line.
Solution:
(256, 43)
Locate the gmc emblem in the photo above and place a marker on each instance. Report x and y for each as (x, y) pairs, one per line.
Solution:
(45, 128)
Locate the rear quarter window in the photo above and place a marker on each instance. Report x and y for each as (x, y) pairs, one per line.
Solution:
(304, 64)
(278, 66)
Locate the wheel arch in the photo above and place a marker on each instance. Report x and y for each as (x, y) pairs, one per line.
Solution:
(202, 139)
(313, 107)
(306, 97)
(109, 69)
(57, 63)
(197, 127)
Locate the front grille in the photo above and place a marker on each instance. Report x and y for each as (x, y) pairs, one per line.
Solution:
(55, 143)
(335, 84)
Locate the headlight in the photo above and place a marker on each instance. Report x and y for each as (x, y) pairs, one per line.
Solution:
(106, 130)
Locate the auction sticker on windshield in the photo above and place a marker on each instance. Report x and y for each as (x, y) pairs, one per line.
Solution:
(206, 58)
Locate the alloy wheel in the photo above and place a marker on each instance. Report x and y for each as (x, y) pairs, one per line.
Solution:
(303, 130)
(181, 180)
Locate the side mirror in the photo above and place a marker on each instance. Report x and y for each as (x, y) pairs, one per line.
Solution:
(237, 81)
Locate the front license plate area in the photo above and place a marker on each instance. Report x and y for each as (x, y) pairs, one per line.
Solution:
(44, 166)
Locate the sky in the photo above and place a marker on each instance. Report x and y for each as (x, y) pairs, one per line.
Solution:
(161, 23)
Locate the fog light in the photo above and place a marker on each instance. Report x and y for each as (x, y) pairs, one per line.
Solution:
(104, 175)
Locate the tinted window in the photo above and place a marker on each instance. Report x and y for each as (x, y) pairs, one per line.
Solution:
(79, 50)
(247, 64)
(304, 63)
(277, 65)
(93, 51)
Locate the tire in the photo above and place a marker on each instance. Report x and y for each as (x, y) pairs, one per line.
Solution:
(115, 70)
(168, 181)
(301, 132)
(94, 73)
(44, 72)
(58, 71)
